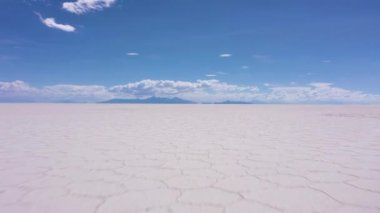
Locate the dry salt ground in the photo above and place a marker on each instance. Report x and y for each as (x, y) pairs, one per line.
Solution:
(189, 158)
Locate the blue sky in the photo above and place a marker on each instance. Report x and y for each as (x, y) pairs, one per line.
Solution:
(263, 45)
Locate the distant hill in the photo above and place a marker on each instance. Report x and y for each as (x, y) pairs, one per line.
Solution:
(233, 102)
(239, 102)
(157, 100)
(151, 100)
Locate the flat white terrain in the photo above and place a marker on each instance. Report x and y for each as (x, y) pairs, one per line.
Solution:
(77, 158)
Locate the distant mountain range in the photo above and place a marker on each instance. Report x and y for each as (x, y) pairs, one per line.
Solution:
(151, 100)
(157, 100)
(232, 102)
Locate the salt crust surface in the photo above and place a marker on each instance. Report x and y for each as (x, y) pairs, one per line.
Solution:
(189, 158)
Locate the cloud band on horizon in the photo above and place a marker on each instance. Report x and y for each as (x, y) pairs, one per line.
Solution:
(199, 91)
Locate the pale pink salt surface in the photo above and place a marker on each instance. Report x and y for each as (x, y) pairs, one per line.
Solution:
(189, 158)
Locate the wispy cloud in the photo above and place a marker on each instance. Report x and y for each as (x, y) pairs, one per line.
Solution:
(210, 75)
(84, 6)
(50, 22)
(221, 73)
(133, 54)
(225, 55)
(245, 67)
(327, 61)
(262, 58)
(201, 90)
(7, 58)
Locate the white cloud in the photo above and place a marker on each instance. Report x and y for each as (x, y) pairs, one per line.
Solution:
(16, 91)
(14, 87)
(50, 22)
(245, 67)
(21, 91)
(225, 55)
(319, 92)
(321, 84)
(82, 93)
(326, 61)
(210, 75)
(133, 54)
(84, 6)
(201, 90)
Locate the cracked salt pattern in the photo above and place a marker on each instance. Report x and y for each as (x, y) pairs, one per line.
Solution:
(189, 158)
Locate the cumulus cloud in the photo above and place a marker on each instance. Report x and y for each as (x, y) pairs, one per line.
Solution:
(50, 22)
(200, 90)
(84, 6)
(19, 91)
(225, 55)
(15, 87)
(81, 93)
(319, 92)
(211, 90)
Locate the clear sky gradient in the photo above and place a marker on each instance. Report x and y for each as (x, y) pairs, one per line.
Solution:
(260, 44)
